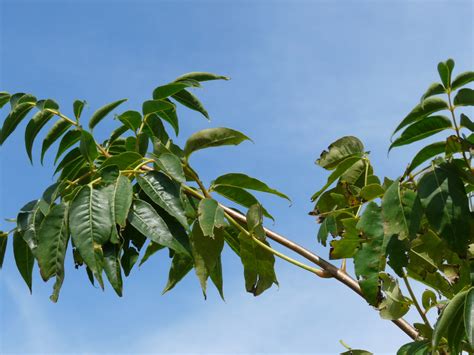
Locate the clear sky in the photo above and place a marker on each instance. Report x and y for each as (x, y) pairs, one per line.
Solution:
(303, 74)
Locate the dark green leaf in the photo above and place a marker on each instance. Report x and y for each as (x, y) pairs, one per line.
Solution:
(144, 218)
(201, 76)
(426, 153)
(53, 238)
(394, 305)
(444, 198)
(328, 226)
(216, 277)
(155, 106)
(124, 161)
(415, 348)
(211, 216)
(129, 259)
(112, 267)
(434, 89)
(32, 129)
(151, 249)
(422, 110)
(131, 119)
(213, 137)
(428, 299)
(117, 133)
(206, 253)
(445, 70)
(180, 266)
(4, 98)
(187, 99)
(466, 122)
(88, 146)
(18, 113)
(78, 106)
(171, 117)
(100, 114)
(24, 258)
(68, 140)
(171, 165)
(426, 127)
(397, 253)
(462, 79)
(349, 242)
(371, 192)
(91, 226)
(370, 260)
(58, 129)
(155, 129)
(162, 92)
(464, 97)
(28, 222)
(340, 150)
(245, 182)
(469, 316)
(165, 193)
(72, 156)
(3, 246)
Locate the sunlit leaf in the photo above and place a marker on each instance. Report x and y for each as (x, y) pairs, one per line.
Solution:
(464, 97)
(201, 76)
(102, 112)
(187, 99)
(211, 216)
(425, 154)
(18, 113)
(180, 266)
(68, 140)
(88, 146)
(339, 150)
(33, 128)
(434, 89)
(58, 129)
(131, 119)
(462, 79)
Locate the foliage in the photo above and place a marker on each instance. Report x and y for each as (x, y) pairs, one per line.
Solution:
(138, 191)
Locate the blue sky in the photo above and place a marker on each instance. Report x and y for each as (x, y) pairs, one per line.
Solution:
(303, 74)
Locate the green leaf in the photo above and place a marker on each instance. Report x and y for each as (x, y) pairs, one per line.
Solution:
(445, 321)
(394, 305)
(469, 316)
(100, 114)
(466, 122)
(124, 161)
(155, 106)
(122, 195)
(68, 140)
(88, 146)
(72, 156)
(170, 164)
(445, 69)
(434, 89)
(129, 259)
(213, 137)
(32, 129)
(401, 211)
(151, 249)
(239, 196)
(4, 98)
(201, 76)
(29, 220)
(371, 192)
(112, 267)
(415, 348)
(347, 246)
(206, 253)
(426, 153)
(91, 226)
(171, 117)
(180, 266)
(444, 198)
(155, 129)
(23, 258)
(117, 133)
(78, 106)
(370, 260)
(3, 244)
(342, 168)
(58, 129)
(422, 110)
(131, 119)
(53, 238)
(464, 97)
(328, 226)
(162, 92)
(187, 99)
(396, 251)
(146, 220)
(462, 79)
(245, 182)
(339, 150)
(424, 128)
(211, 216)
(18, 113)
(216, 277)
(165, 193)
(428, 299)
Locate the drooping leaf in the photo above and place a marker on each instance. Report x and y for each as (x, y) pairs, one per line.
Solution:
(246, 182)
(117, 133)
(151, 249)
(68, 140)
(462, 79)
(206, 253)
(53, 238)
(145, 219)
(464, 97)
(3, 245)
(211, 216)
(121, 199)
(28, 222)
(189, 100)
(171, 117)
(155, 129)
(421, 129)
(426, 153)
(445, 320)
(112, 268)
(394, 305)
(370, 260)
(401, 211)
(434, 89)
(213, 137)
(88, 146)
(466, 122)
(154, 106)
(165, 193)
(422, 110)
(171, 166)
(4, 98)
(397, 252)
(164, 91)
(201, 76)
(91, 226)
(32, 129)
(24, 258)
(347, 245)
(444, 199)
(469, 316)
(19, 111)
(102, 112)
(58, 129)
(131, 119)
(129, 259)
(217, 279)
(78, 106)
(339, 150)
(180, 266)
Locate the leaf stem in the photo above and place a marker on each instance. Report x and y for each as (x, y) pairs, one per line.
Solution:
(415, 301)
(64, 117)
